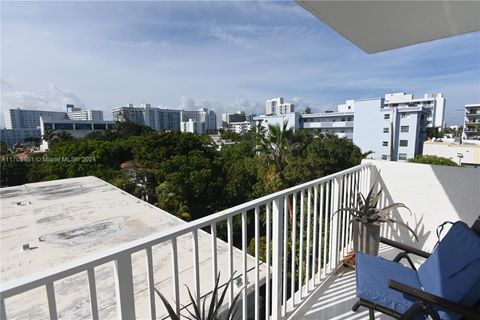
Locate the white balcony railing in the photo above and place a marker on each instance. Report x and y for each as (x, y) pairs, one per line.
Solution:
(298, 222)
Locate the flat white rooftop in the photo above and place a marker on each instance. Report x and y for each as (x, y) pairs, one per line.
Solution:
(64, 220)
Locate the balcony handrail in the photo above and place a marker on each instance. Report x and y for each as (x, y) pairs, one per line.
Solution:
(16, 286)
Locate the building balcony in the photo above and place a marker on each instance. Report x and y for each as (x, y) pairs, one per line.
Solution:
(300, 277)
(327, 124)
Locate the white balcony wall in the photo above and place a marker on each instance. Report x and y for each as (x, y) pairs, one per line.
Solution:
(433, 193)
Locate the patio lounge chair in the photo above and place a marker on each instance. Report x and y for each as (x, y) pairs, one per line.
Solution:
(446, 286)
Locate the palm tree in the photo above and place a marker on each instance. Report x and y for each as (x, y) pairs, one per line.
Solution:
(64, 136)
(275, 149)
(49, 135)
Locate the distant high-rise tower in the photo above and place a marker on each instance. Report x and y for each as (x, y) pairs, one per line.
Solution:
(277, 106)
(156, 118)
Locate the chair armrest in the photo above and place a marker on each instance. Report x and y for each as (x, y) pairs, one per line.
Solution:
(405, 247)
(433, 299)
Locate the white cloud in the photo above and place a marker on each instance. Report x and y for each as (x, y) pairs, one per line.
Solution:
(62, 96)
(55, 98)
(229, 37)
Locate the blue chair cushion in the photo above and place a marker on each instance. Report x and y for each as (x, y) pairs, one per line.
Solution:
(453, 269)
(373, 274)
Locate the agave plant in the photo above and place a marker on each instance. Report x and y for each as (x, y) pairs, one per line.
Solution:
(199, 313)
(368, 212)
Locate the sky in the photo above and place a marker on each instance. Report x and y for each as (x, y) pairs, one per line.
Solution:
(227, 56)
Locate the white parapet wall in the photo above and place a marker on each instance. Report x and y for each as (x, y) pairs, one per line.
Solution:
(433, 193)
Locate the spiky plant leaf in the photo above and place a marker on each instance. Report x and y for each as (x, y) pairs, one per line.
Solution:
(375, 200)
(203, 307)
(231, 311)
(393, 206)
(194, 304)
(404, 225)
(214, 298)
(351, 210)
(171, 313)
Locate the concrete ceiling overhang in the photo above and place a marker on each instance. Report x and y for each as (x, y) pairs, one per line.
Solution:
(376, 26)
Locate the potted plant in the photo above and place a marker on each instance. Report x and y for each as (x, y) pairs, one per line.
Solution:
(367, 220)
(199, 312)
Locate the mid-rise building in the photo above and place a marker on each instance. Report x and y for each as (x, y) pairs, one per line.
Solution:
(29, 119)
(434, 102)
(74, 113)
(228, 118)
(206, 119)
(158, 119)
(391, 131)
(191, 126)
(240, 127)
(339, 123)
(238, 122)
(13, 136)
(277, 106)
(77, 128)
(22, 124)
(292, 120)
(471, 125)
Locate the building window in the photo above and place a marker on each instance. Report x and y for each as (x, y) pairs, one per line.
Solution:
(63, 126)
(83, 126)
(385, 143)
(403, 115)
(384, 157)
(404, 129)
(402, 156)
(385, 130)
(386, 116)
(403, 143)
(99, 126)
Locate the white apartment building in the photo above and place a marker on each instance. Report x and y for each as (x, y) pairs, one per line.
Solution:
(207, 119)
(191, 126)
(86, 115)
(21, 124)
(471, 125)
(339, 123)
(156, 118)
(228, 118)
(29, 119)
(77, 128)
(160, 119)
(277, 106)
(390, 131)
(240, 116)
(13, 136)
(292, 120)
(435, 102)
(240, 127)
